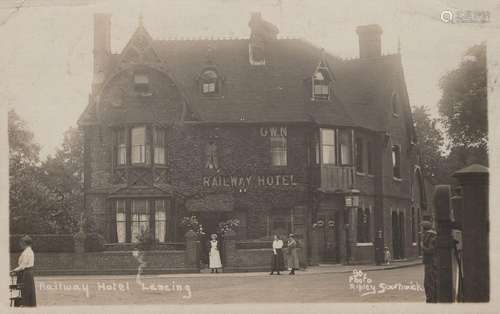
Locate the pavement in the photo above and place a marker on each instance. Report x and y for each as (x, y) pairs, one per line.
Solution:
(397, 282)
(320, 269)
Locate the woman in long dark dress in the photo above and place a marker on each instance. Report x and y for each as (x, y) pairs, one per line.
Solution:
(24, 272)
(277, 261)
(293, 256)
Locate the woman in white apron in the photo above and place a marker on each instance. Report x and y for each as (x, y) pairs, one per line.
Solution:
(214, 255)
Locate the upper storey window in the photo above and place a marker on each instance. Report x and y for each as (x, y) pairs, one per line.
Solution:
(321, 81)
(141, 83)
(121, 146)
(140, 149)
(159, 145)
(396, 161)
(209, 83)
(394, 104)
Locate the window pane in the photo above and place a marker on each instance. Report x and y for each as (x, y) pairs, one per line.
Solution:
(140, 218)
(278, 150)
(369, 156)
(328, 146)
(121, 221)
(327, 137)
(345, 147)
(359, 155)
(396, 161)
(159, 146)
(139, 145)
(160, 220)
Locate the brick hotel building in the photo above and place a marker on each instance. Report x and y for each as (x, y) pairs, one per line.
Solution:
(272, 131)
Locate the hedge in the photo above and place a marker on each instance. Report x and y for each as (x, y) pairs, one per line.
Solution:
(47, 243)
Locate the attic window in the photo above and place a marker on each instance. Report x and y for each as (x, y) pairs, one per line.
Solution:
(256, 54)
(321, 84)
(141, 83)
(209, 83)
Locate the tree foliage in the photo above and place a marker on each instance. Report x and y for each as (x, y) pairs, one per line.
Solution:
(45, 197)
(430, 142)
(463, 104)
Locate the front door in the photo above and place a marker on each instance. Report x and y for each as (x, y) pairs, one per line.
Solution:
(328, 242)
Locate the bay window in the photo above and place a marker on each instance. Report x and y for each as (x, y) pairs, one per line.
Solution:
(140, 219)
(278, 150)
(140, 149)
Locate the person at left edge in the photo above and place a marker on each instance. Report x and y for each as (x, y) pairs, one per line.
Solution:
(24, 272)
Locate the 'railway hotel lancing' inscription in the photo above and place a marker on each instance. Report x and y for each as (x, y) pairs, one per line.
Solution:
(247, 181)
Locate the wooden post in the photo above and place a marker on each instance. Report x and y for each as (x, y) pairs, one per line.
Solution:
(474, 181)
(314, 246)
(445, 243)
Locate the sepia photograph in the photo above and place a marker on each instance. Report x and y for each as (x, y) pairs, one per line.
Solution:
(267, 153)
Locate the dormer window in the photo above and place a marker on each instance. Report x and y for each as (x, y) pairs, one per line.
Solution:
(209, 83)
(141, 83)
(321, 83)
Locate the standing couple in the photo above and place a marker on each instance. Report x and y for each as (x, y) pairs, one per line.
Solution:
(277, 259)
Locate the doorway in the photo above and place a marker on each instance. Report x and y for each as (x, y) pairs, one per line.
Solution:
(398, 240)
(328, 241)
(210, 222)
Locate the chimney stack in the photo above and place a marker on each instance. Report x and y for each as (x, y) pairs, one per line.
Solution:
(370, 45)
(102, 46)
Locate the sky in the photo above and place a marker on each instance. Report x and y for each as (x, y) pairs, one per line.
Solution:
(46, 52)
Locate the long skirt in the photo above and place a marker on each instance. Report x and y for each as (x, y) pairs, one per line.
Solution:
(430, 282)
(277, 261)
(292, 259)
(214, 259)
(28, 291)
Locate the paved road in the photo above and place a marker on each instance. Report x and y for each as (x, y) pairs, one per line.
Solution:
(395, 285)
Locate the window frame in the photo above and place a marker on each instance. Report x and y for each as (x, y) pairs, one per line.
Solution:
(157, 221)
(123, 221)
(323, 83)
(323, 145)
(139, 221)
(281, 150)
(121, 147)
(349, 133)
(396, 161)
(360, 157)
(363, 228)
(146, 146)
(205, 81)
(159, 144)
(143, 88)
(395, 104)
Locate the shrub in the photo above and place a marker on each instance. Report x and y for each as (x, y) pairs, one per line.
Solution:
(45, 243)
(94, 242)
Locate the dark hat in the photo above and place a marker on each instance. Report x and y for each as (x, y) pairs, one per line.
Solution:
(291, 235)
(426, 224)
(26, 239)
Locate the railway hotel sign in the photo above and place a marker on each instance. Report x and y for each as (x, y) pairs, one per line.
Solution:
(248, 181)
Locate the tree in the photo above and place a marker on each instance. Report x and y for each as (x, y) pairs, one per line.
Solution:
(27, 202)
(63, 177)
(430, 143)
(463, 106)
